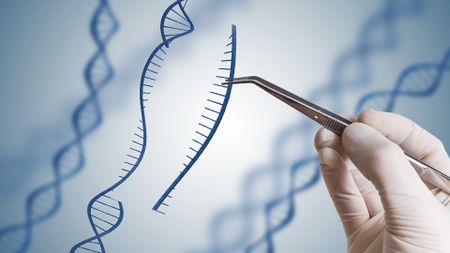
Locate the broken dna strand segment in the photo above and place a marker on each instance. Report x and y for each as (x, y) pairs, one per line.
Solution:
(106, 213)
(210, 118)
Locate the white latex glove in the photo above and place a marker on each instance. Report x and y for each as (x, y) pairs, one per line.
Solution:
(383, 204)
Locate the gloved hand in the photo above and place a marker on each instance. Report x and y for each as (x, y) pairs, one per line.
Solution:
(383, 204)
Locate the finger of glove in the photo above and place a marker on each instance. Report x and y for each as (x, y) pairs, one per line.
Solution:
(385, 165)
(345, 194)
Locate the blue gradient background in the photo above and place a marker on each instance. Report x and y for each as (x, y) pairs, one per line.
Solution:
(45, 46)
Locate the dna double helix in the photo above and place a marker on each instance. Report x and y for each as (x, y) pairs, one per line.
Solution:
(304, 173)
(105, 213)
(45, 201)
(210, 118)
(30, 158)
(418, 80)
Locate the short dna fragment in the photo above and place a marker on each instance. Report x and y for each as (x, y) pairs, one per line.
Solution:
(68, 161)
(210, 119)
(416, 81)
(279, 211)
(105, 213)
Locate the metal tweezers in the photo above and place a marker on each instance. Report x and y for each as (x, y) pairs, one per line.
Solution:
(335, 123)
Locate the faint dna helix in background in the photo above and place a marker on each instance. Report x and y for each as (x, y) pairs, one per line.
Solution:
(305, 172)
(104, 212)
(282, 207)
(45, 201)
(418, 80)
(29, 158)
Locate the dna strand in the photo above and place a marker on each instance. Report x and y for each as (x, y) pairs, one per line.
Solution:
(105, 213)
(280, 211)
(45, 201)
(418, 80)
(31, 158)
(210, 118)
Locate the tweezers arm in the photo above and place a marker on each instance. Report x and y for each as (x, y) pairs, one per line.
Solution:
(327, 119)
(337, 125)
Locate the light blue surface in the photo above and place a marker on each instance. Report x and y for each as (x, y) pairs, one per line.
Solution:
(44, 48)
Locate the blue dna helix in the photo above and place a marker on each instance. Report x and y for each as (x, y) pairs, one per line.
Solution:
(210, 118)
(418, 80)
(45, 201)
(30, 157)
(104, 212)
(304, 173)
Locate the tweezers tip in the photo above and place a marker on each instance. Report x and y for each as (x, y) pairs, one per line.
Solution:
(237, 80)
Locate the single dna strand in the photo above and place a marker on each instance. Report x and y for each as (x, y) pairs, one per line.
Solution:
(304, 168)
(30, 158)
(210, 118)
(358, 56)
(418, 80)
(45, 201)
(104, 212)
